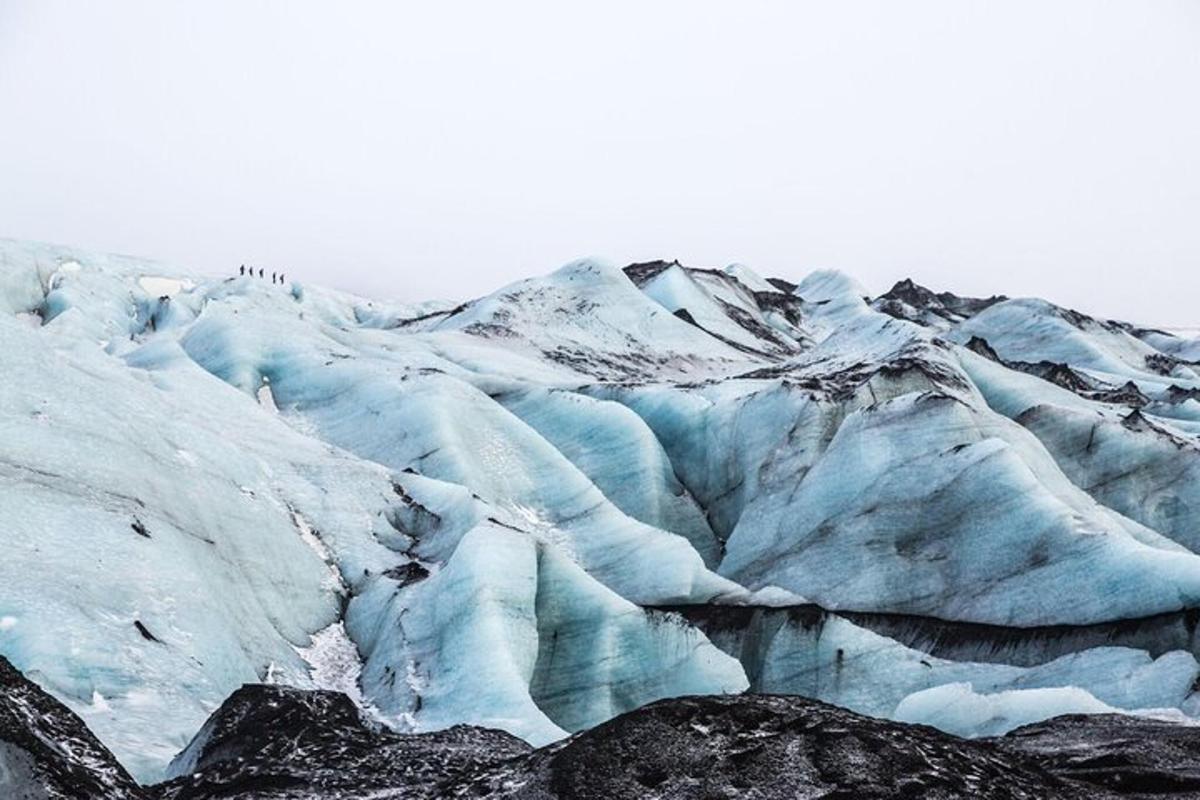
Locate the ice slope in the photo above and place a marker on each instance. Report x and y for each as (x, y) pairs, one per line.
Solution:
(406, 413)
(826, 656)
(416, 425)
(720, 305)
(879, 401)
(510, 633)
(1114, 358)
(749, 278)
(197, 539)
(907, 535)
(589, 318)
(152, 563)
(1182, 345)
(1034, 330)
(1136, 463)
(1126, 679)
(620, 454)
(484, 596)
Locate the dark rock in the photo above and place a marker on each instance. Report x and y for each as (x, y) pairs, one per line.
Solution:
(1127, 756)
(645, 271)
(280, 743)
(276, 742)
(145, 632)
(746, 632)
(407, 573)
(1064, 376)
(1129, 394)
(47, 753)
(1135, 420)
(1161, 363)
(404, 323)
(764, 747)
(1177, 394)
(787, 287)
(764, 333)
(980, 346)
(686, 316)
(1082, 321)
(786, 305)
(907, 297)
(1057, 373)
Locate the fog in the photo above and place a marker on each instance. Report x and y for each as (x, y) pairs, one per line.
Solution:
(420, 150)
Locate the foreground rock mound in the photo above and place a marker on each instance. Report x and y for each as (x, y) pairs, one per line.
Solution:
(281, 743)
(765, 747)
(47, 753)
(1127, 756)
(277, 742)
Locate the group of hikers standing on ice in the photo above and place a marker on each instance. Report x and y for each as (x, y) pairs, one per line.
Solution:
(276, 277)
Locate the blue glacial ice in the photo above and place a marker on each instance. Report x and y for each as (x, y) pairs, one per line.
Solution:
(509, 511)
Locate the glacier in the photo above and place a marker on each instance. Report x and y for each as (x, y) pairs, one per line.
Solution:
(546, 506)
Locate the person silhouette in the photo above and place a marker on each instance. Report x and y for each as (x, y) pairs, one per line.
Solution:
(243, 269)
(260, 272)
(272, 278)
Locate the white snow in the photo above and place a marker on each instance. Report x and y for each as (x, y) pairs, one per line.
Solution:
(334, 663)
(266, 398)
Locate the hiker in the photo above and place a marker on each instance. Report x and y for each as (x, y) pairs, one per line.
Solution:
(272, 278)
(260, 272)
(281, 279)
(243, 270)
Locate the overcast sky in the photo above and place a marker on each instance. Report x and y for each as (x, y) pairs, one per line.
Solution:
(441, 149)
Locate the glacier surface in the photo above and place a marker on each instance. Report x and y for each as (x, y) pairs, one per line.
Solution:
(583, 492)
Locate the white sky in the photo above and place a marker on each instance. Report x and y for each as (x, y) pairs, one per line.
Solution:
(445, 148)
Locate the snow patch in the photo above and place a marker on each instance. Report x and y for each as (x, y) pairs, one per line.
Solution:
(545, 529)
(99, 703)
(334, 663)
(335, 581)
(417, 684)
(266, 397)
